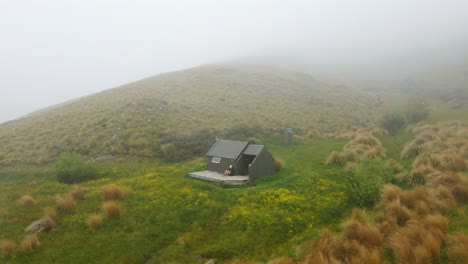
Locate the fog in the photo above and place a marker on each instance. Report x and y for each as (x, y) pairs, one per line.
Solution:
(52, 51)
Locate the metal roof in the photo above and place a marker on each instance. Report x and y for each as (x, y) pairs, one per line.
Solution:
(253, 149)
(228, 149)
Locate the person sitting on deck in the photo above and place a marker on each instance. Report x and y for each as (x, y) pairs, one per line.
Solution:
(230, 171)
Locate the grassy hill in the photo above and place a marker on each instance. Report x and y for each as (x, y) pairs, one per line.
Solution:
(176, 115)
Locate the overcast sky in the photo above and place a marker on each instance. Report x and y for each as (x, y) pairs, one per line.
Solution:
(52, 51)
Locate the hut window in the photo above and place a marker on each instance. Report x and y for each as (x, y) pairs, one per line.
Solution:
(216, 160)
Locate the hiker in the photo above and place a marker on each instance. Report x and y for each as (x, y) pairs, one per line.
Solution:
(230, 171)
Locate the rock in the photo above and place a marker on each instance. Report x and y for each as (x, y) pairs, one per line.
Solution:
(46, 223)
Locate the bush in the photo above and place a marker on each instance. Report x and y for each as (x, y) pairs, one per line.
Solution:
(71, 168)
(393, 122)
(366, 179)
(416, 110)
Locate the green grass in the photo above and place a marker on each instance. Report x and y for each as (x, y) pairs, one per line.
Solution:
(171, 218)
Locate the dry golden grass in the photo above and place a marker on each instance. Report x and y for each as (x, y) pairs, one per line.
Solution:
(30, 242)
(94, 221)
(8, 248)
(112, 209)
(78, 192)
(65, 205)
(357, 228)
(323, 250)
(281, 260)
(279, 164)
(414, 243)
(443, 199)
(52, 213)
(113, 192)
(458, 248)
(27, 201)
(152, 111)
(364, 145)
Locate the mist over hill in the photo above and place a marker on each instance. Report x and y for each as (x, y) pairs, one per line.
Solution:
(173, 115)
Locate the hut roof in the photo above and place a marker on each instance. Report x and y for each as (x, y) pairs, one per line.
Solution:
(253, 150)
(228, 149)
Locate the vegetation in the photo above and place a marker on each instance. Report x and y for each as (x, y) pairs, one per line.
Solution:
(135, 203)
(393, 122)
(150, 118)
(71, 168)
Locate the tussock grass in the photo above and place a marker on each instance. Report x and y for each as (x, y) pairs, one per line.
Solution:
(65, 205)
(458, 248)
(414, 243)
(358, 229)
(279, 164)
(324, 250)
(112, 209)
(281, 260)
(8, 248)
(113, 192)
(52, 213)
(364, 145)
(94, 221)
(30, 242)
(78, 192)
(27, 201)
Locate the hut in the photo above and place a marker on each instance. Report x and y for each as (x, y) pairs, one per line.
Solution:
(249, 161)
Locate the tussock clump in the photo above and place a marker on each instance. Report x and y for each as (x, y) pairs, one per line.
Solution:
(414, 243)
(30, 242)
(451, 162)
(443, 199)
(390, 193)
(52, 213)
(4, 214)
(281, 260)
(113, 192)
(458, 248)
(394, 165)
(279, 164)
(8, 248)
(65, 205)
(78, 192)
(426, 159)
(359, 230)
(94, 221)
(453, 181)
(335, 159)
(27, 201)
(112, 210)
(364, 145)
(323, 250)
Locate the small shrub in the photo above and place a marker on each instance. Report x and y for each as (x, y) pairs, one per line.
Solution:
(78, 193)
(279, 164)
(112, 192)
(416, 110)
(52, 213)
(94, 221)
(71, 168)
(27, 201)
(458, 248)
(393, 122)
(65, 205)
(8, 248)
(112, 210)
(366, 180)
(30, 242)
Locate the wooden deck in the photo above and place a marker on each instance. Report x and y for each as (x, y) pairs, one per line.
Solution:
(219, 177)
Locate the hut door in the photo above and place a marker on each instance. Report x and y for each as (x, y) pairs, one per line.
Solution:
(244, 163)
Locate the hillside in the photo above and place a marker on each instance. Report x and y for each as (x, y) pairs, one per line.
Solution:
(172, 115)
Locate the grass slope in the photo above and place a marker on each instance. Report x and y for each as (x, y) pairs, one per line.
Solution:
(144, 118)
(168, 218)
